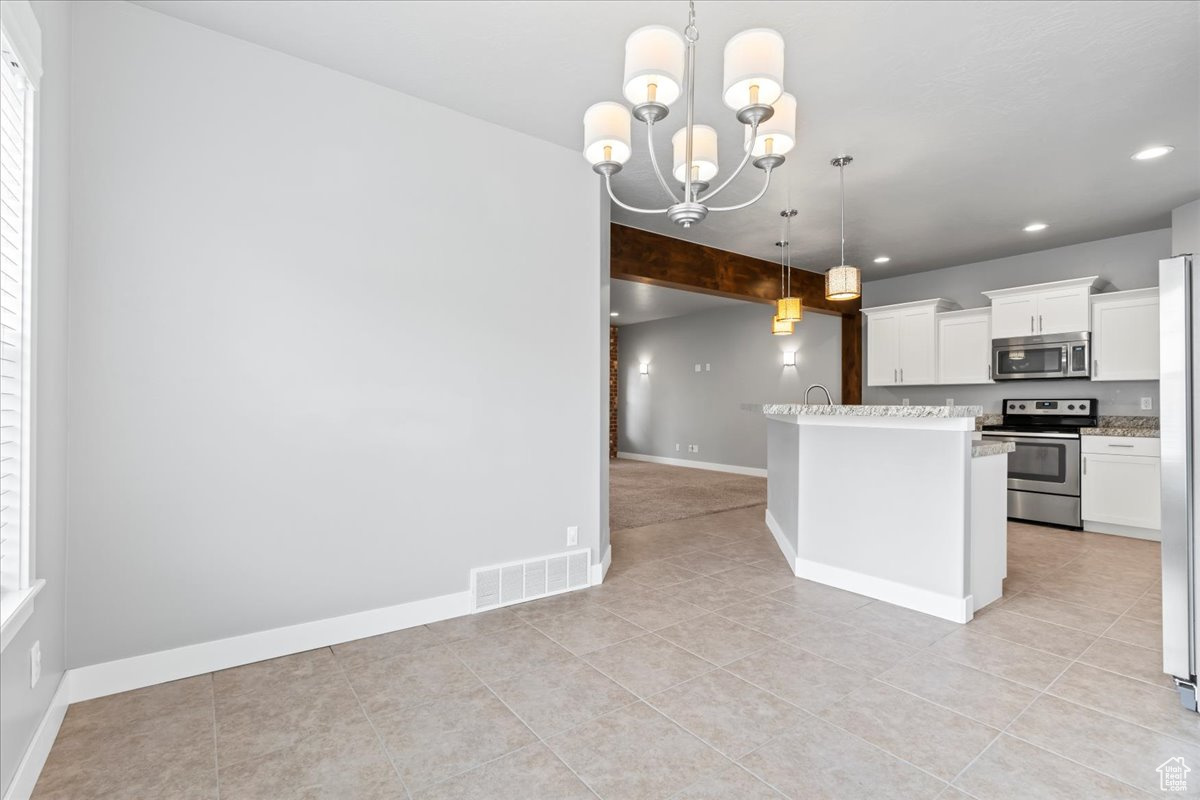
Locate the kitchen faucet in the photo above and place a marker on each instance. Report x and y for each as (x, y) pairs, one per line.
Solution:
(828, 398)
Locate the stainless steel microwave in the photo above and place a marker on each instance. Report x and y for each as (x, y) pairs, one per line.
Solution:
(1062, 355)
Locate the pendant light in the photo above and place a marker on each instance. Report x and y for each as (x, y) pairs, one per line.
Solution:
(780, 326)
(788, 308)
(843, 282)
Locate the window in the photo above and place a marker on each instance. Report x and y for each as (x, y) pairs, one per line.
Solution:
(17, 84)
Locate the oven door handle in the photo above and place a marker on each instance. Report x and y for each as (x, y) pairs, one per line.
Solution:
(1027, 436)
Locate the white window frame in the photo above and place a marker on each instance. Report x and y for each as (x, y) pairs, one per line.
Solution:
(23, 41)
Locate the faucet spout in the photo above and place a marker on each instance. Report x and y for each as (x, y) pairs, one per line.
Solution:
(828, 397)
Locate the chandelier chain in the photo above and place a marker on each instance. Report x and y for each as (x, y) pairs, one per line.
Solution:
(691, 33)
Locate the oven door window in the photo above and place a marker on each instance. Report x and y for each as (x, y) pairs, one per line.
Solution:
(1029, 361)
(1039, 461)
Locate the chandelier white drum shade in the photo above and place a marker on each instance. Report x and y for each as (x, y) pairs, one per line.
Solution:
(778, 134)
(704, 154)
(654, 65)
(753, 68)
(606, 133)
(660, 67)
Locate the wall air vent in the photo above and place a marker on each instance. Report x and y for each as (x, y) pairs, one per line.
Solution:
(518, 581)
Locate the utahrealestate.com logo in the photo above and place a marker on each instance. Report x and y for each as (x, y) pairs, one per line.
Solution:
(1172, 775)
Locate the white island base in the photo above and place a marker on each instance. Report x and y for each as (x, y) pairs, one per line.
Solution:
(898, 503)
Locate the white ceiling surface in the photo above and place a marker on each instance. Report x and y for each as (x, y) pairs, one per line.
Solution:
(642, 302)
(966, 120)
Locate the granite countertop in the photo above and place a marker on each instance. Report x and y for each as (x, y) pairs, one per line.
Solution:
(1124, 426)
(945, 412)
(992, 449)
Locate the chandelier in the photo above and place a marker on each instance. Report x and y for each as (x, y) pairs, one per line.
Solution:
(660, 67)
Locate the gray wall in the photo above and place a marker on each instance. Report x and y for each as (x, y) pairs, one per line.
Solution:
(305, 383)
(1185, 229)
(676, 404)
(1123, 262)
(22, 707)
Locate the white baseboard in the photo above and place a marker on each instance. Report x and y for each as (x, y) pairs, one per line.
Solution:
(955, 609)
(137, 672)
(30, 766)
(601, 569)
(757, 472)
(1150, 534)
(781, 540)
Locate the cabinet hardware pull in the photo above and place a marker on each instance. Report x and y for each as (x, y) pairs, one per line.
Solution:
(1039, 323)
(1031, 323)
(1095, 367)
(1119, 445)
(902, 374)
(895, 373)
(1085, 465)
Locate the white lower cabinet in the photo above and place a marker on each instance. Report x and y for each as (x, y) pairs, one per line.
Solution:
(1121, 485)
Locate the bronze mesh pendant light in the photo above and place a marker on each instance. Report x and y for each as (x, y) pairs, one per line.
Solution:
(788, 308)
(843, 282)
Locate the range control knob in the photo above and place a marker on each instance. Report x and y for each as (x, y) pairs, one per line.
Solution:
(1022, 406)
(1012, 406)
(1083, 406)
(1070, 408)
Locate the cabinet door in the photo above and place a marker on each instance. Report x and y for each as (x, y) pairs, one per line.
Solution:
(1125, 340)
(883, 342)
(1014, 316)
(1121, 490)
(918, 347)
(964, 349)
(1064, 310)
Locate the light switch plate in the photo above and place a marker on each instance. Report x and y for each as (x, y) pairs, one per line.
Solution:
(697, 368)
(35, 664)
(573, 536)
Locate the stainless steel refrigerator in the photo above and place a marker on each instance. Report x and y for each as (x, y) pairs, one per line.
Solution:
(1179, 330)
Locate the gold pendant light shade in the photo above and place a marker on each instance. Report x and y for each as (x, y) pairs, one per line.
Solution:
(843, 283)
(782, 327)
(789, 309)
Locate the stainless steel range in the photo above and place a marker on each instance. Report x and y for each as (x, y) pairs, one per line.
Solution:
(1044, 469)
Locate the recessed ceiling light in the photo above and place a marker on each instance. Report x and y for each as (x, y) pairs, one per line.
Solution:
(1157, 151)
(882, 259)
(614, 313)
(1034, 227)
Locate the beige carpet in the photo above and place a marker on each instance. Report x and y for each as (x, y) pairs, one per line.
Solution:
(643, 494)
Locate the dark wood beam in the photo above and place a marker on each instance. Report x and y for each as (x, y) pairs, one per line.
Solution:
(645, 257)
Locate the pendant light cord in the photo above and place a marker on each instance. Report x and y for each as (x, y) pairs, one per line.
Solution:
(842, 176)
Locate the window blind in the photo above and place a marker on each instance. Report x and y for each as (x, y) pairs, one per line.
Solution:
(15, 265)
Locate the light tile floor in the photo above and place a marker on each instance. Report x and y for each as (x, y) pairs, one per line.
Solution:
(700, 669)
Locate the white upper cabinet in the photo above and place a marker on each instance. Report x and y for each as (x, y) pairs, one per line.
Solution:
(902, 343)
(964, 346)
(1125, 336)
(1042, 309)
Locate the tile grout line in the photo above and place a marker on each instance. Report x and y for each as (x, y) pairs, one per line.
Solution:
(387, 753)
(216, 756)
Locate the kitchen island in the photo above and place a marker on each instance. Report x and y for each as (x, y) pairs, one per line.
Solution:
(899, 503)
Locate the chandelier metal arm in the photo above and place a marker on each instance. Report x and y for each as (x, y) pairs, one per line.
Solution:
(626, 206)
(654, 162)
(736, 172)
(756, 198)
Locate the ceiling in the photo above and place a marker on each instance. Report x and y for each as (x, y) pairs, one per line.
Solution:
(966, 120)
(642, 302)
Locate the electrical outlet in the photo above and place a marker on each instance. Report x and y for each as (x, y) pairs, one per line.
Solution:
(708, 367)
(904, 401)
(572, 536)
(697, 368)
(677, 447)
(1147, 403)
(950, 402)
(35, 664)
(693, 448)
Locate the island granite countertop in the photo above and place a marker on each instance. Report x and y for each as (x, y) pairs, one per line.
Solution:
(943, 412)
(992, 449)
